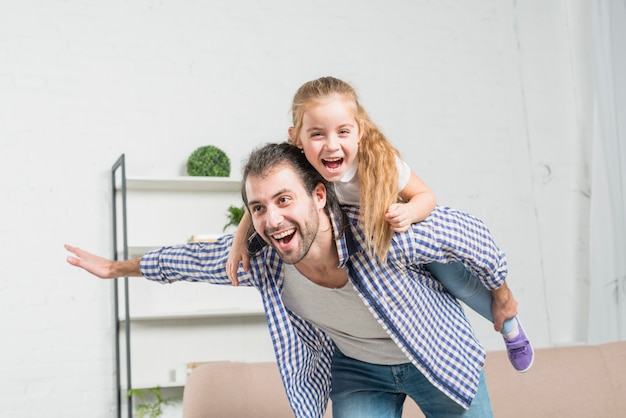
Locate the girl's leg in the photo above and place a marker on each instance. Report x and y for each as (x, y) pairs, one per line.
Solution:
(464, 286)
(461, 284)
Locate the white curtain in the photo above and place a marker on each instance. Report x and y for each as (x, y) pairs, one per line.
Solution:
(607, 304)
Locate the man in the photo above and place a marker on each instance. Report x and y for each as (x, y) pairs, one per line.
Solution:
(382, 331)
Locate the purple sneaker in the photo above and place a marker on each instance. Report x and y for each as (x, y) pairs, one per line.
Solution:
(520, 351)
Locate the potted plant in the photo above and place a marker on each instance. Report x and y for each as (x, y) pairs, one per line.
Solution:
(153, 409)
(234, 214)
(208, 160)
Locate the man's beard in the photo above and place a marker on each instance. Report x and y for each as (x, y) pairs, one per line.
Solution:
(306, 234)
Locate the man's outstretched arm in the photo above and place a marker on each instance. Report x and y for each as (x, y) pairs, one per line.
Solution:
(102, 267)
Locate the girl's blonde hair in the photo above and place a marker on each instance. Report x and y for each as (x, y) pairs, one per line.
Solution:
(378, 173)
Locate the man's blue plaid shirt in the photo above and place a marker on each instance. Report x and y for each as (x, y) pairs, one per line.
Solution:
(426, 322)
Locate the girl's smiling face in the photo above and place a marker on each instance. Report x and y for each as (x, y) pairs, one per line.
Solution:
(329, 136)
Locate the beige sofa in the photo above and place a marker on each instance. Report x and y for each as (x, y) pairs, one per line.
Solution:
(579, 381)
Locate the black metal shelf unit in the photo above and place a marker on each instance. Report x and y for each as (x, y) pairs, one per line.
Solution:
(120, 165)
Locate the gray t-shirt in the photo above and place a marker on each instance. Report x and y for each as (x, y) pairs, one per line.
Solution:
(343, 316)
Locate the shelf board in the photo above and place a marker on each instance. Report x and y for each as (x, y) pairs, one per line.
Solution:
(139, 250)
(162, 385)
(209, 313)
(182, 183)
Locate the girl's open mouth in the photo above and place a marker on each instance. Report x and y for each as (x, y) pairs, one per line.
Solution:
(332, 164)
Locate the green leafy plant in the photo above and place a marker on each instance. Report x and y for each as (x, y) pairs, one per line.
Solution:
(208, 161)
(154, 409)
(234, 214)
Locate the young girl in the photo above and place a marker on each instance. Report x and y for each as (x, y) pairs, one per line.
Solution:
(338, 138)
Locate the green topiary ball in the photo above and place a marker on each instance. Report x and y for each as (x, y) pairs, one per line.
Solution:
(208, 161)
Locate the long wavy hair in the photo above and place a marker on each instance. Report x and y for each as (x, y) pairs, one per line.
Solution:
(378, 173)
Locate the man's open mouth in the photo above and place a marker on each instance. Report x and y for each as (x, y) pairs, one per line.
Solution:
(285, 236)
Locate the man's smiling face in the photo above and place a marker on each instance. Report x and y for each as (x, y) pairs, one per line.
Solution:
(283, 213)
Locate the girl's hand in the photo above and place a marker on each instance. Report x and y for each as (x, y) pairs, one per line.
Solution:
(399, 217)
(238, 254)
(239, 251)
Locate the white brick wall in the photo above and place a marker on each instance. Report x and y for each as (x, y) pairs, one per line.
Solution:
(488, 101)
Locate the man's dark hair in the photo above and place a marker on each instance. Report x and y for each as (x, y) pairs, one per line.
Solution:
(265, 158)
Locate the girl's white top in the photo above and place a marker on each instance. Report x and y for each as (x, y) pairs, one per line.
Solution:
(348, 190)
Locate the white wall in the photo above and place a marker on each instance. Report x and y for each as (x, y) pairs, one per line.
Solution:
(489, 101)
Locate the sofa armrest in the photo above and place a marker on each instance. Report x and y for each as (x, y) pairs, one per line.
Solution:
(233, 389)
